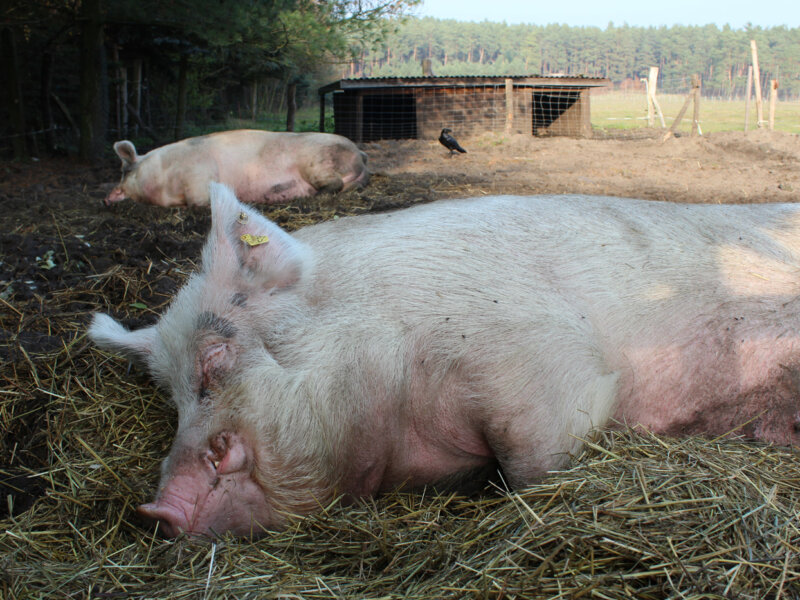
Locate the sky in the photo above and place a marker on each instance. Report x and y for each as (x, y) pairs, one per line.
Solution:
(737, 13)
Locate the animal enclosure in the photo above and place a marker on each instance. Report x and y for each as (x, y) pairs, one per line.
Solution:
(83, 432)
(371, 109)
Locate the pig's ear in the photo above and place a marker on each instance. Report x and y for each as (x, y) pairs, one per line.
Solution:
(110, 335)
(126, 152)
(243, 240)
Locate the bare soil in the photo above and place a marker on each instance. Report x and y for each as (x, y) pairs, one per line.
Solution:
(64, 255)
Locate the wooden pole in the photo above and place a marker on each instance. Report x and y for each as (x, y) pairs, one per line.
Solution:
(651, 88)
(773, 99)
(653, 108)
(674, 127)
(322, 113)
(757, 83)
(747, 96)
(696, 106)
(509, 105)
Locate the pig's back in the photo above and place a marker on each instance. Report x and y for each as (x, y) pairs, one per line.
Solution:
(562, 238)
(622, 264)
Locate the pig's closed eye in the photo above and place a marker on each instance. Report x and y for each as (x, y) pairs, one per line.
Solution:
(215, 361)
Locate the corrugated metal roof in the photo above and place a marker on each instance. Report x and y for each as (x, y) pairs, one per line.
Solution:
(480, 77)
(463, 80)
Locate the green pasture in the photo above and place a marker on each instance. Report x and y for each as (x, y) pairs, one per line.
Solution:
(629, 111)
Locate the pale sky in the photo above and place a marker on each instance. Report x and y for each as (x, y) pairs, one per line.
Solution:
(737, 13)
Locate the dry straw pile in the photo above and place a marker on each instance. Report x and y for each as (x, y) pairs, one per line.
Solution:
(636, 516)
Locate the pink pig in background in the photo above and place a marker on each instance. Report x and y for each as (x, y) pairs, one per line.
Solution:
(260, 166)
(440, 342)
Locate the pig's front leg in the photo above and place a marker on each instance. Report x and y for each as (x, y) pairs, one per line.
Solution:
(568, 390)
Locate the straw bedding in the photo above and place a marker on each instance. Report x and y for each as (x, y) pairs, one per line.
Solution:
(635, 515)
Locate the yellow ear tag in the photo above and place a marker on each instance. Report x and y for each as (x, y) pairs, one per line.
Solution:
(254, 240)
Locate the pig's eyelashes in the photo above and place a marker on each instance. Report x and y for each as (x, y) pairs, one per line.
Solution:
(215, 361)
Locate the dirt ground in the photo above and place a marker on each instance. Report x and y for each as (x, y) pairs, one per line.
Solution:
(64, 255)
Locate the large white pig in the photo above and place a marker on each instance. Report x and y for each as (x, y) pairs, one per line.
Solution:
(261, 166)
(435, 343)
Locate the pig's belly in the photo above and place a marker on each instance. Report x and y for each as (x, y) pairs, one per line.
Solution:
(276, 188)
(749, 388)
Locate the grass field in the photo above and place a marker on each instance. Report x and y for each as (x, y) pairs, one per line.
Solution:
(628, 111)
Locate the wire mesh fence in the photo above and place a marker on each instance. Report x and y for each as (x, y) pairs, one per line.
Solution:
(470, 108)
(721, 108)
(466, 107)
(406, 108)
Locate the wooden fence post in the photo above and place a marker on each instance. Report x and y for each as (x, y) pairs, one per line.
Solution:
(757, 83)
(509, 105)
(748, 93)
(693, 95)
(773, 99)
(696, 106)
(652, 104)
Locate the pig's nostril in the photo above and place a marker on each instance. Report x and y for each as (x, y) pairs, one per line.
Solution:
(170, 522)
(213, 458)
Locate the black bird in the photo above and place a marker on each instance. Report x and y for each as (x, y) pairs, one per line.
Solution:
(449, 142)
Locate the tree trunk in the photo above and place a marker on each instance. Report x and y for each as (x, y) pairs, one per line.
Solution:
(123, 94)
(254, 101)
(137, 92)
(91, 118)
(291, 105)
(46, 85)
(11, 74)
(117, 92)
(180, 113)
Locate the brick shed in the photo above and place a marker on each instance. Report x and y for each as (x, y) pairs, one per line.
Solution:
(368, 109)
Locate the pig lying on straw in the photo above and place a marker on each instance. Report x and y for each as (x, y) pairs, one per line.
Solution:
(434, 344)
(261, 166)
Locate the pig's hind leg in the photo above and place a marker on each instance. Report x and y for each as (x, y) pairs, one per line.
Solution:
(337, 172)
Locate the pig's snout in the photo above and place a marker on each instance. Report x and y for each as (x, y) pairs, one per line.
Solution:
(171, 520)
(210, 492)
(114, 195)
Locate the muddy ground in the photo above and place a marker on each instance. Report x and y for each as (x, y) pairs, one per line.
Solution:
(63, 254)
